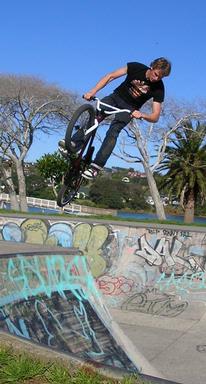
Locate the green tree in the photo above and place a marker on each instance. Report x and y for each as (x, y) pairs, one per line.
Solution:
(136, 197)
(114, 193)
(108, 193)
(52, 167)
(37, 185)
(185, 163)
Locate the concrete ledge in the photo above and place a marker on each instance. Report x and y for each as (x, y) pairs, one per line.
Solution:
(12, 247)
(133, 224)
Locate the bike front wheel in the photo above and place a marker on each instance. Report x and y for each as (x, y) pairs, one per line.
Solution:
(82, 119)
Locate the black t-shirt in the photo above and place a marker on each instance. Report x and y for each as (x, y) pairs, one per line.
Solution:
(136, 82)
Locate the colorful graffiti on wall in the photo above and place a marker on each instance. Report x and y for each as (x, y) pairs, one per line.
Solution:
(91, 239)
(155, 271)
(52, 300)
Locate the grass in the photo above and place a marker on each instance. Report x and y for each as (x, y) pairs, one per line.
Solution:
(23, 369)
(105, 217)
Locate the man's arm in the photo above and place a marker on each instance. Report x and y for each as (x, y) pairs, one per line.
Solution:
(151, 118)
(104, 81)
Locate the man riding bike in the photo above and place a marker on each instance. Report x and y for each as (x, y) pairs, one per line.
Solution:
(141, 84)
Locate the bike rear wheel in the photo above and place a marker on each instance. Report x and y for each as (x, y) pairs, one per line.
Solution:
(69, 189)
(82, 119)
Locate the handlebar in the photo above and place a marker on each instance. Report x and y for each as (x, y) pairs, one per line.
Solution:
(114, 109)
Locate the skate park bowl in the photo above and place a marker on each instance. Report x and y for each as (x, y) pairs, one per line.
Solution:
(123, 296)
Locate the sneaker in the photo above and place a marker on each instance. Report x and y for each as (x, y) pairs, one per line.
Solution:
(91, 172)
(62, 149)
(61, 144)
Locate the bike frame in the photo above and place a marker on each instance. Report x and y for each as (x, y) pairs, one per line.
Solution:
(98, 108)
(73, 176)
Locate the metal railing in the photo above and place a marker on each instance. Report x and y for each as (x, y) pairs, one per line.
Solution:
(42, 203)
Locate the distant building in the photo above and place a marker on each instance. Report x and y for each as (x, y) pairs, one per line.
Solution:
(136, 174)
(28, 167)
(131, 173)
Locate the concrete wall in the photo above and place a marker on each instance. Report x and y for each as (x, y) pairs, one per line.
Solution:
(148, 269)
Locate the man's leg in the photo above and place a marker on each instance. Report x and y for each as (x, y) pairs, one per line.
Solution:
(120, 121)
(105, 151)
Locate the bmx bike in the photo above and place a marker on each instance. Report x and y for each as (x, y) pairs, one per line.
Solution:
(79, 139)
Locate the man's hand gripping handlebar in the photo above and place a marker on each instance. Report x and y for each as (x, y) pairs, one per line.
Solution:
(136, 114)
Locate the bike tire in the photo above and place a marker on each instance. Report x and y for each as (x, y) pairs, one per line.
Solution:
(69, 190)
(82, 119)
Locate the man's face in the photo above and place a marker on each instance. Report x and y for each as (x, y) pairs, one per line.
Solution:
(155, 75)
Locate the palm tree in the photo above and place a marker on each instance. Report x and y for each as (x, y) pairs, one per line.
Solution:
(185, 163)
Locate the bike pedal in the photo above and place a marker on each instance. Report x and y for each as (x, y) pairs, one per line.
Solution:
(63, 152)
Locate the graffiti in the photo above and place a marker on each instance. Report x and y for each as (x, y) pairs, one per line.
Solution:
(182, 284)
(65, 324)
(154, 303)
(11, 232)
(110, 285)
(23, 276)
(124, 260)
(54, 300)
(163, 250)
(169, 232)
(91, 239)
(34, 231)
(42, 300)
(170, 255)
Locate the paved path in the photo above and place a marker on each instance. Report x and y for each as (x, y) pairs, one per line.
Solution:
(174, 346)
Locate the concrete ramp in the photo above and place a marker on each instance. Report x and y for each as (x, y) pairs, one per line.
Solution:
(50, 298)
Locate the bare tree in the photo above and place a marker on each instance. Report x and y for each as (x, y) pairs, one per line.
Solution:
(28, 105)
(6, 177)
(151, 141)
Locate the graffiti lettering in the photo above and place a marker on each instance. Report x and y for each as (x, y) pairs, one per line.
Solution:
(110, 285)
(155, 303)
(186, 282)
(43, 275)
(162, 249)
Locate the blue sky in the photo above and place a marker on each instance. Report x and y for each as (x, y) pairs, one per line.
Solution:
(74, 43)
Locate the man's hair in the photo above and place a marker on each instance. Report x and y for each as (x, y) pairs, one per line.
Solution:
(163, 64)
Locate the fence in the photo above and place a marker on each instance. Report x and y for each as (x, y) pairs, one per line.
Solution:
(42, 203)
